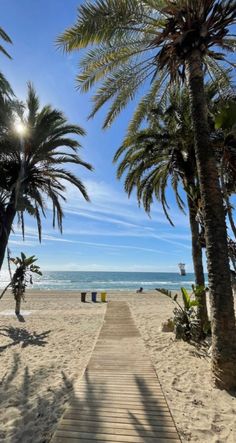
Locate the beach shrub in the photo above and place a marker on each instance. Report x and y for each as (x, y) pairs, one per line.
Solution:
(168, 325)
(23, 275)
(186, 324)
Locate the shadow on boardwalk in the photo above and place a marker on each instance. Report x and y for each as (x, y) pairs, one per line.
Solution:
(155, 419)
(89, 415)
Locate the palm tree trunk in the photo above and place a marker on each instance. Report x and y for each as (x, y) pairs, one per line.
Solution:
(198, 267)
(6, 222)
(222, 305)
(18, 304)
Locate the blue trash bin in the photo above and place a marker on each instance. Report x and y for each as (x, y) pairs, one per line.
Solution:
(94, 297)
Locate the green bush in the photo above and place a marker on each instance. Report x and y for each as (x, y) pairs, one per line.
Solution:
(187, 326)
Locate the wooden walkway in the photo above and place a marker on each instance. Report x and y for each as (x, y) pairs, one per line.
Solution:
(119, 398)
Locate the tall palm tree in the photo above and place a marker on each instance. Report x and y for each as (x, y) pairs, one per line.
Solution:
(167, 41)
(33, 172)
(163, 153)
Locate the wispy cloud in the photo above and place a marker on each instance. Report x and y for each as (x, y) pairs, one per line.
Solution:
(109, 205)
(66, 240)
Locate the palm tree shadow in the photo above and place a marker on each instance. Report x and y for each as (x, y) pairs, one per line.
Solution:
(157, 421)
(85, 404)
(40, 417)
(153, 420)
(23, 336)
(8, 378)
(37, 406)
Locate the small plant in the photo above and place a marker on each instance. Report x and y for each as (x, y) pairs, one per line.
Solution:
(23, 275)
(187, 325)
(168, 325)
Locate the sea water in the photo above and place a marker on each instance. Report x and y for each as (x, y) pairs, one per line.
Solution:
(118, 281)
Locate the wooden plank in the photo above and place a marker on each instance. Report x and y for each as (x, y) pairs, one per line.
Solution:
(123, 411)
(121, 378)
(110, 396)
(90, 424)
(64, 439)
(124, 386)
(115, 400)
(134, 431)
(83, 436)
(122, 404)
(104, 388)
(120, 418)
(129, 375)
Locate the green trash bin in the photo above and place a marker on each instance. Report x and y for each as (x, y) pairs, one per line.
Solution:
(83, 297)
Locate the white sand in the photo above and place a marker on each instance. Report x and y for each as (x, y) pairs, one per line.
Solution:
(41, 359)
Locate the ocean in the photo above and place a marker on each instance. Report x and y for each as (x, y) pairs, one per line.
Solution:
(119, 281)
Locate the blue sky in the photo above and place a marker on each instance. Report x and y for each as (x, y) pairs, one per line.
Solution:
(110, 233)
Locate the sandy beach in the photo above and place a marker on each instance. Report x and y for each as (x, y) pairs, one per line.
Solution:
(42, 358)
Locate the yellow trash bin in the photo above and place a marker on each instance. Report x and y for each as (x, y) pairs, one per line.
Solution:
(103, 297)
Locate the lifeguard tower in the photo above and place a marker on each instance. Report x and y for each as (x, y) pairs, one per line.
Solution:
(182, 268)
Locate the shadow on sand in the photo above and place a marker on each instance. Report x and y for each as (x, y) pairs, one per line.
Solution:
(23, 337)
(36, 407)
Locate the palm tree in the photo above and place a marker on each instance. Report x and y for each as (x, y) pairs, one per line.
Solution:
(32, 166)
(168, 41)
(22, 277)
(163, 153)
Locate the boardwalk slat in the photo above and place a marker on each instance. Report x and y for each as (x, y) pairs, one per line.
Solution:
(84, 436)
(119, 404)
(121, 419)
(132, 392)
(116, 397)
(125, 411)
(136, 431)
(93, 423)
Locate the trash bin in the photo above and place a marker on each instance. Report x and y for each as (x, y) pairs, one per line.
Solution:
(83, 297)
(103, 297)
(94, 297)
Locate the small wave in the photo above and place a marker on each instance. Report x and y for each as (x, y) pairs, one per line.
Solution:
(129, 282)
(54, 282)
